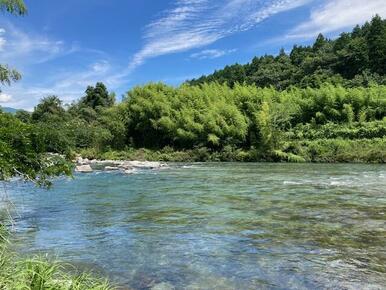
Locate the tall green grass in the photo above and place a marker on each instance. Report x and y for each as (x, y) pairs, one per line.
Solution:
(40, 273)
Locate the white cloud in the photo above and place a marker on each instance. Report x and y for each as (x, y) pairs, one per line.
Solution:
(101, 66)
(69, 85)
(78, 81)
(29, 51)
(197, 23)
(4, 98)
(21, 49)
(3, 41)
(335, 15)
(211, 53)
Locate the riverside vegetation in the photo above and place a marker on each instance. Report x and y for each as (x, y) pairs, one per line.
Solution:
(321, 103)
(210, 122)
(23, 153)
(40, 272)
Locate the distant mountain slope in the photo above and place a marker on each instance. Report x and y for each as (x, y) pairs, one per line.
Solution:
(8, 110)
(353, 59)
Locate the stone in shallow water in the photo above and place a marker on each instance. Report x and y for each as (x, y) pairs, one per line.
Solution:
(143, 164)
(163, 286)
(83, 169)
(129, 171)
(111, 168)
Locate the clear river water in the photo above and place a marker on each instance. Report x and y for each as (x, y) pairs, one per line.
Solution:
(215, 225)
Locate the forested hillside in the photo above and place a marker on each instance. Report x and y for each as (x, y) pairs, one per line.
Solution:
(353, 59)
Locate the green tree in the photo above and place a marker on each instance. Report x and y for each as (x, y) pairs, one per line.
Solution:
(320, 42)
(22, 149)
(7, 74)
(114, 120)
(49, 108)
(377, 45)
(263, 121)
(349, 113)
(98, 96)
(23, 153)
(342, 61)
(16, 7)
(352, 56)
(23, 116)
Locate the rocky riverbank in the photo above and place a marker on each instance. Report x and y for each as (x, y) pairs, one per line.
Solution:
(85, 165)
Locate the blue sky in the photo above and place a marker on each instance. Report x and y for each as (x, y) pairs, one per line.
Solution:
(60, 47)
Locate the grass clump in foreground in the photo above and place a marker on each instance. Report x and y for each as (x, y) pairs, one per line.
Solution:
(40, 273)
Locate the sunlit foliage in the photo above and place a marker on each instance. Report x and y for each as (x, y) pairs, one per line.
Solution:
(353, 59)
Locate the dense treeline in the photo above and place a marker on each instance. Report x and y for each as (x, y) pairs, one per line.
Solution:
(354, 59)
(217, 122)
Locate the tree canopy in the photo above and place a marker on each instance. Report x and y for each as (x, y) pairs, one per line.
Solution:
(48, 107)
(16, 7)
(353, 59)
(7, 74)
(23, 147)
(98, 96)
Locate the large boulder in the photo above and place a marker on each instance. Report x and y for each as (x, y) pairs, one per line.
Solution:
(83, 168)
(84, 165)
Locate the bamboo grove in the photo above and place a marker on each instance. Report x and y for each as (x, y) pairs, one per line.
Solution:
(213, 122)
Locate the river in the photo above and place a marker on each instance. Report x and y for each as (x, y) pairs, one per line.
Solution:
(215, 225)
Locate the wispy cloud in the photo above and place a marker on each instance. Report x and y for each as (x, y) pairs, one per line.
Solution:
(211, 53)
(21, 48)
(32, 51)
(4, 98)
(3, 41)
(197, 23)
(68, 85)
(81, 79)
(335, 15)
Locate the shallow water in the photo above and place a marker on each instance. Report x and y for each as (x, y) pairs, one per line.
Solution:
(216, 226)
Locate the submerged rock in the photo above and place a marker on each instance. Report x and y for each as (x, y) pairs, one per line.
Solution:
(124, 166)
(129, 171)
(111, 168)
(84, 168)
